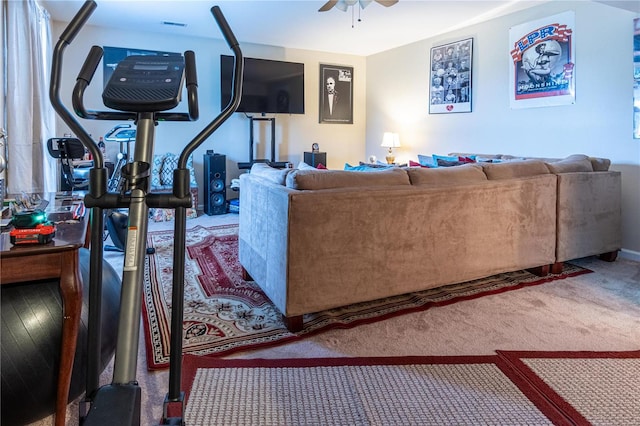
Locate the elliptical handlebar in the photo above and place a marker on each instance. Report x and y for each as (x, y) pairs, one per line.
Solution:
(237, 89)
(191, 82)
(83, 80)
(78, 21)
(66, 38)
(224, 27)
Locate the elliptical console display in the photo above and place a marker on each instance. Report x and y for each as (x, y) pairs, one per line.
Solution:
(145, 83)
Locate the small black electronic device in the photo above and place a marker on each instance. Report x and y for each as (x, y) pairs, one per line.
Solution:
(145, 84)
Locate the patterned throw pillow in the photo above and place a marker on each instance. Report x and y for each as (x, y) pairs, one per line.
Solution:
(156, 168)
(169, 164)
(192, 173)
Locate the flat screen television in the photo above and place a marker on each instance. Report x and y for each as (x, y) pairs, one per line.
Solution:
(269, 86)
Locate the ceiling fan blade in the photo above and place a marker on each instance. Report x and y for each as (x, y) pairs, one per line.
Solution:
(328, 5)
(386, 3)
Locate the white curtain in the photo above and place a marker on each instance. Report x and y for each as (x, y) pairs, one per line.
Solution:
(30, 116)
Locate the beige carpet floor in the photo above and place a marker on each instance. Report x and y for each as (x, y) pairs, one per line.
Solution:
(596, 312)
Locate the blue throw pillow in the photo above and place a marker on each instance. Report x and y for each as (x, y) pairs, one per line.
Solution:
(445, 158)
(427, 161)
(364, 168)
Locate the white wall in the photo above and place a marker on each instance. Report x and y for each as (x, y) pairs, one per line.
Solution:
(598, 124)
(294, 133)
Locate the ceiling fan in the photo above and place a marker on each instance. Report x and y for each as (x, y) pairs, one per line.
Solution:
(343, 5)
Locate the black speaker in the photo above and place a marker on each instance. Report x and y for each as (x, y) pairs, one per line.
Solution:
(215, 183)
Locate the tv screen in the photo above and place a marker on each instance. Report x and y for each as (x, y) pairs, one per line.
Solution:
(269, 86)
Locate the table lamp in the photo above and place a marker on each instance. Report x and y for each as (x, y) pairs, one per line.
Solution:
(390, 140)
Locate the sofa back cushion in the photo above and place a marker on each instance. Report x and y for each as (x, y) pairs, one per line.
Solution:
(467, 173)
(514, 169)
(327, 179)
(271, 174)
(573, 163)
(600, 164)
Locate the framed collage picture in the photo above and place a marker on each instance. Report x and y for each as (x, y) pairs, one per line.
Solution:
(336, 94)
(450, 77)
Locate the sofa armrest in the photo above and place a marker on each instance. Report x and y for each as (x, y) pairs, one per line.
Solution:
(263, 235)
(589, 214)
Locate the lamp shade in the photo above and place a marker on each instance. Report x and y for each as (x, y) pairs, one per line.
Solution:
(390, 140)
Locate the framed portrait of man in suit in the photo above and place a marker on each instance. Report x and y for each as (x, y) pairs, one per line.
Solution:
(336, 94)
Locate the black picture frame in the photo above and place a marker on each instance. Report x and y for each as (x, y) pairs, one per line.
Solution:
(450, 77)
(340, 109)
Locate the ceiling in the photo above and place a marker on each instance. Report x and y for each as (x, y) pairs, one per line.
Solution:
(297, 23)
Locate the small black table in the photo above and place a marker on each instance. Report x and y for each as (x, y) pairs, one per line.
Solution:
(315, 158)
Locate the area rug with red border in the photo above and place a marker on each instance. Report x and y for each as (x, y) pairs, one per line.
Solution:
(541, 388)
(223, 313)
(590, 388)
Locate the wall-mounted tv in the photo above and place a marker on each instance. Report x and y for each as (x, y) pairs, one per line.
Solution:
(269, 86)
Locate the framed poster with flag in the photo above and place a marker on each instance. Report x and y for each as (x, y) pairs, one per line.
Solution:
(543, 62)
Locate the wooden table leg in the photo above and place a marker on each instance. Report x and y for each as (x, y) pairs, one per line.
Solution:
(71, 289)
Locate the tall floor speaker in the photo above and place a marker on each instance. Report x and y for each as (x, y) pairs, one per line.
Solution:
(215, 182)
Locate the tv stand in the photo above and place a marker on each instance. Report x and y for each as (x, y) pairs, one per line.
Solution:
(272, 161)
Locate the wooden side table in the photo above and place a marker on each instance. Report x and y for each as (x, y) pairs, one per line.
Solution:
(56, 260)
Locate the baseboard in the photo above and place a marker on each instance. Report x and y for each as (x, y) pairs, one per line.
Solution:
(630, 254)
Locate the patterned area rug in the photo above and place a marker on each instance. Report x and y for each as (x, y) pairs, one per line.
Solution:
(223, 313)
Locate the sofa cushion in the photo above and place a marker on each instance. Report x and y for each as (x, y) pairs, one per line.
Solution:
(271, 174)
(467, 173)
(304, 166)
(600, 164)
(573, 163)
(326, 179)
(514, 169)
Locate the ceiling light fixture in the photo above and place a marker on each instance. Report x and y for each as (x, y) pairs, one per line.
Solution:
(344, 5)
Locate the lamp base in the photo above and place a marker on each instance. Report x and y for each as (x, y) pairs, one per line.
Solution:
(390, 159)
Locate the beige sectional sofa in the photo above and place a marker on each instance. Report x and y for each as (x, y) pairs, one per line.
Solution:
(319, 239)
(588, 208)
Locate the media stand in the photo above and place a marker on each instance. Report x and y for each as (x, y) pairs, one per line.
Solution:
(272, 162)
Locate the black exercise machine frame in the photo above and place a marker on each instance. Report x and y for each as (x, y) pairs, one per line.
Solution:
(124, 398)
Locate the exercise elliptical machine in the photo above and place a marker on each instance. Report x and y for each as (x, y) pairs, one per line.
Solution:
(141, 88)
